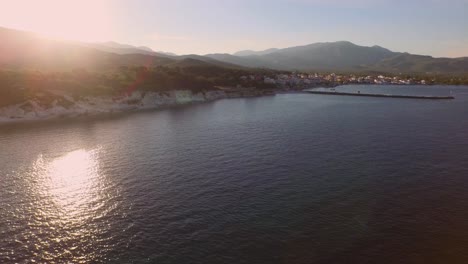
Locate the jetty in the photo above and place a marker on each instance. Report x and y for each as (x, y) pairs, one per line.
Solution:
(431, 97)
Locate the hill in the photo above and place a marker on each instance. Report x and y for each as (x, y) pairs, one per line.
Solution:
(20, 50)
(341, 55)
(251, 52)
(409, 63)
(345, 56)
(122, 49)
(208, 61)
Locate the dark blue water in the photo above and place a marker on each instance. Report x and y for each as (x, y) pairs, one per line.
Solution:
(292, 178)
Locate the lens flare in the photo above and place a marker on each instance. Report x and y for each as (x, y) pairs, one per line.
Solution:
(85, 20)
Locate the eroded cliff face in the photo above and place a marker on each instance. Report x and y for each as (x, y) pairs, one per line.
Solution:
(66, 106)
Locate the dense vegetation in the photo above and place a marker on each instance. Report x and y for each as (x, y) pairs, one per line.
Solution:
(18, 86)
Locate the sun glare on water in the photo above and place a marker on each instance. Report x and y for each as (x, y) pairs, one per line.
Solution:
(71, 181)
(72, 177)
(84, 20)
(69, 192)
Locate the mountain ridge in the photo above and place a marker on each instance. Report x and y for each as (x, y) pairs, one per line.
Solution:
(22, 50)
(26, 50)
(345, 56)
(252, 52)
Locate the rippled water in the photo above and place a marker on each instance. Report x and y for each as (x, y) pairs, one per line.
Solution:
(292, 178)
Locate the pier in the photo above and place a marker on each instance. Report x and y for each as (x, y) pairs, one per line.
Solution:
(431, 97)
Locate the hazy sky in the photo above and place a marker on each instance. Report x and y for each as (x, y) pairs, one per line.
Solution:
(432, 27)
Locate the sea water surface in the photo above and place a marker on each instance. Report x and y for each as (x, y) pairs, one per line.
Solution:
(291, 178)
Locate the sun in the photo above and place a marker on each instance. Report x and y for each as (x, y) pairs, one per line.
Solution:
(84, 20)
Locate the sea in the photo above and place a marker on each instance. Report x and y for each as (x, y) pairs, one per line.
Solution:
(290, 178)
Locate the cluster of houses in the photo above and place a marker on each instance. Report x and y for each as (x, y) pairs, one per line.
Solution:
(302, 80)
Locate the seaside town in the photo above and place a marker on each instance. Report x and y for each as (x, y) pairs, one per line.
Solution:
(298, 81)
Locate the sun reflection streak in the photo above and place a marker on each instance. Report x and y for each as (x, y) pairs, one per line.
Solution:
(73, 207)
(72, 182)
(71, 185)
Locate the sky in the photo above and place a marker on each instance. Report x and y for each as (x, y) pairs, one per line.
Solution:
(430, 27)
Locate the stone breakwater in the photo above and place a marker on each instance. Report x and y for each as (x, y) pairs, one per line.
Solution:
(67, 106)
(431, 97)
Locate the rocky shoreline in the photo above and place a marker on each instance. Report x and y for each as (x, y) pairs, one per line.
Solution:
(65, 106)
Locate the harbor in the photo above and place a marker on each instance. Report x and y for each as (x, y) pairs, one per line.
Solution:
(430, 97)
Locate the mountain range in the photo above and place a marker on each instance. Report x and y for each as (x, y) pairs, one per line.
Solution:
(21, 50)
(25, 50)
(344, 56)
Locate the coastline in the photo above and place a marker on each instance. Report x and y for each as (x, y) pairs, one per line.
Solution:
(64, 106)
